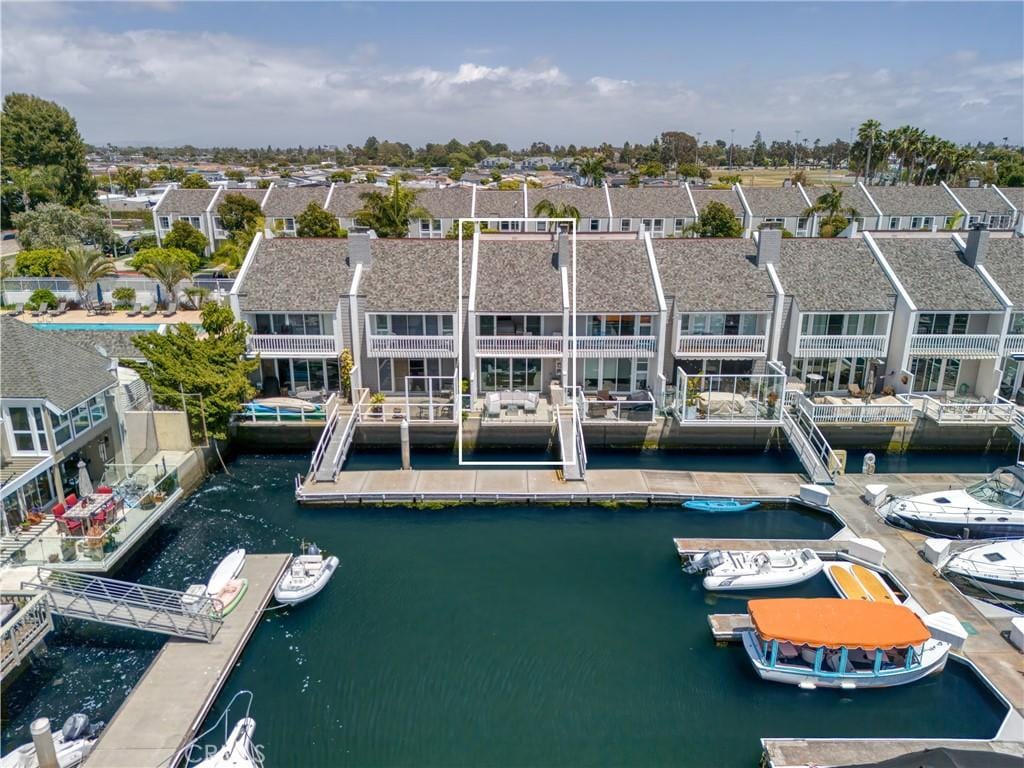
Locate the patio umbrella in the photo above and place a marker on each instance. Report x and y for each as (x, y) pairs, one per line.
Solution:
(84, 483)
(159, 299)
(99, 293)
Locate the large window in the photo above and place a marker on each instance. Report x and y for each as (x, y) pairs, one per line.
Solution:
(620, 374)
(718, 324)
(412, 325)
(516, 325)
(27, 429)
(294, 323)
(616, 325)
(935, 374)
(836, 373)
(933, 323)
(1016, 323)
(312, 375)
(843, 324)
(499, 374)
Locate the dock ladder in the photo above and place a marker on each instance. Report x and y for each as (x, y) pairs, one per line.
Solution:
(813, 450)
(572, 446)
(126, 604)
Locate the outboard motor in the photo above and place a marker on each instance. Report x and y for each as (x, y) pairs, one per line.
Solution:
(705, 562)
(76, 727)
(313, 550)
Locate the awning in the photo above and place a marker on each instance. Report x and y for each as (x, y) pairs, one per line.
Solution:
(834, 623)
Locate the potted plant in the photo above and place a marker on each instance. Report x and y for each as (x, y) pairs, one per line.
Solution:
(377, 402)
(693, 389)
(68, 550)
(772, 399)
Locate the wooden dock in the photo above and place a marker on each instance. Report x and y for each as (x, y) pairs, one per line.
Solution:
(801, 753)
(825, 548)
(165, 710)
(726, 627)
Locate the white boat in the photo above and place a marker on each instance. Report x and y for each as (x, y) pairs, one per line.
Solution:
(997, 567)
(307, 575)
(991, 509)
(226, 570)
(731, 571)
(238, 751)
(72, 743)
(837, 643)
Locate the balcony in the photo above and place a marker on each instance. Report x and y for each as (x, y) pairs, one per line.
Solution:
(519, 346)
(287, 345)
(966, 409)
(839, 409)
(962, 345)
(841, 346)
(722, 346)
(410, 346)
(614, 346)
(1015, 344)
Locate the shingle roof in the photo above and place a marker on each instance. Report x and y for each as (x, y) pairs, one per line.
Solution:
(189, 202)
(499, 202)
(613, 276)
(446, 203)
(116, 344)
(661, 202)
(834, 275)
(713, 274)
(981, 200)
(906, 201)
(346, 198)
(1015, 195)
(589, 201)
(853, 197)
(414, 275)
(934, 275)
(518, 276)
(296, 273)
(252, 194)
(775, 201)
(291, 201)
(44, 365)
(701, 197)
(1004, 261)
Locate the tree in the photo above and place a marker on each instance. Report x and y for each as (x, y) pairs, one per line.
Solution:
(229, 255)
(388, 214)
(42, 262)
(800, 177)
(187, 259)
(83, 268)
(33, 186)
(238, 176)
(547, 209)
(652, 169)
(194, 181)
(837, 215)
(214, 367)
(689, 170)
(128, 179)
(53, 225)
(592, 168)
(168, 271)
(183, 235)
(467, 231)
(343, 176)
(242, 218)
(315, 221)
(717, 220)
(869, 133)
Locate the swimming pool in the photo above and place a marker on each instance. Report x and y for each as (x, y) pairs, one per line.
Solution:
(137, 327)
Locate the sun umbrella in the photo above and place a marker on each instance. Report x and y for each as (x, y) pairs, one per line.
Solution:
(99, 293)
(84, 483)
(159, 298)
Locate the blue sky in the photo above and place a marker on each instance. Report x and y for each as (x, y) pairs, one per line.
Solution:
(291, 73)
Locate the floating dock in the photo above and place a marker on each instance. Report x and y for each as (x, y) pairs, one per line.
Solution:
(168, 706)
(726, 627)
(827, 549)
(801, 753)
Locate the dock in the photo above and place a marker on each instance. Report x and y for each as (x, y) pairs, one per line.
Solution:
(168, 706)
(726, 627)
(801, 753)
(826, 549)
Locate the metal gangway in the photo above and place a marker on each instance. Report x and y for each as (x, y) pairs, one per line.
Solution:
(126, 604)
(335, 442)
(572, 446)
(813, 450)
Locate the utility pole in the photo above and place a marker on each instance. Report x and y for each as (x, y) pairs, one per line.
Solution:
(796, 146)
(849, 152)
(110, 214)
(732, 141)
(696, 150)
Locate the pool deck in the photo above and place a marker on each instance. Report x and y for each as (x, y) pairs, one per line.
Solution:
(120, 317)
(167, 707)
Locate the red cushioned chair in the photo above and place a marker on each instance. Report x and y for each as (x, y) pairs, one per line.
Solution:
(104, 489)
(58, 510)
(71, 500)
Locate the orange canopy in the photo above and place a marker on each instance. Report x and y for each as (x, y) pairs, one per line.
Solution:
(833, 623)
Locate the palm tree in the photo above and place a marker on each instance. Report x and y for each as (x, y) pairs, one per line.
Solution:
(592, 168)
(83, 268)
(930, 153)
(34, 182)
(913, 148)
(869, 133)
(389, 214)
(546, 208)
(167, 272)
(831, 203)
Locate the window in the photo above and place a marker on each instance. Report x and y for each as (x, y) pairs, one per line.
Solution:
(998, 222)
(1016, 323)
(617, 325)
(165, 222)
(499, 373)
(294, 323)
(850, 324)
(289, 224)
(678, 226)
(801, 224)
(915, 222)
(192, 221)
(779, 220)
(614, 374)
(424, 226)
(61, 429)
(932, 323)
(412, 325)
(510, 325)
(894, 222)
(927, 222)
(653, 225)
(625, 225)
(218, 223)
(541, 226)
(509, 226)
(595, 225)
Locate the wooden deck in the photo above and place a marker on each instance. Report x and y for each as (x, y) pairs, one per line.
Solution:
(824, 548)
(165, 710)
(726, 627)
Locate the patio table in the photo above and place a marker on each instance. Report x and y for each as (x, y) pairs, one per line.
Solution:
(84, 511)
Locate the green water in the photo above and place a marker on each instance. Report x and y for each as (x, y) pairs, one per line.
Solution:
(507, 636)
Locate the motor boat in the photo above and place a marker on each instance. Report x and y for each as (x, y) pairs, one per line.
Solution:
(238, 751)
(720, 505)
(991, 509)
(997, 568)
(855, 582)
(731, 571)
(72, 743)
(836, 643)
(307, 575)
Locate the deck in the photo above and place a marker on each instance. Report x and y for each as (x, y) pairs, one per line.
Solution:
(799, 753)
(824, 548)
(165, 710)
(726, 627)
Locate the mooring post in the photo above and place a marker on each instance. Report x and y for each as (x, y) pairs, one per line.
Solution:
(42, 739)
(406, 459)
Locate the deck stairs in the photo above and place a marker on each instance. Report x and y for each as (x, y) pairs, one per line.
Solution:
(126, 604)
(335, 443)
(571, 444)
(813, 450)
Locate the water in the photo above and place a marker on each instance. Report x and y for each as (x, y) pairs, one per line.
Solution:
(488, 636)
(140, 327)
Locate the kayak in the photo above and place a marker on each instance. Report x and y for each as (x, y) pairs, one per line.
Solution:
(720, 505)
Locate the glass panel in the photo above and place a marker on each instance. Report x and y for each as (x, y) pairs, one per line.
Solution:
(590, 374)
(384, 374)
(868, 325)
(400, 325)
(19, 419)
(262, 323)
(80, 418)
(950, 375)
(641, 374)
(313, 325)
(486, 325)
(835, 325)
(502, 376)
(98, 409)
(380, 324)
(1017, 322)
(333, 375)
(593, 325)
(960, 323)
(415, 325)
(61, 429)
(533, 325)
(447, 326)
(533, 367)
(23, 441)
(519, 374)
(280, 324)
(819, 324)
(684, 324)
(431, 325)
(748, 325)
(316, 375)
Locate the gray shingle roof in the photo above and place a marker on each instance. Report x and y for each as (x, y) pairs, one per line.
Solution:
(518, 276)
(291, 201)
(701, 197)
(648, 202)
(499, 202)
(414, 275)
(613, 276)
(44, 365)
(446, 203)
(981, 200)
(346, 200)
(296, 273)
(714, 274)
(188, 202)
(589, 201)
(252, 194)
(908, 201)
(1015, 195)
(934, 275)
(775, 201)
(1004, 261)
(834, 275)
(853, 197)
(116, 344)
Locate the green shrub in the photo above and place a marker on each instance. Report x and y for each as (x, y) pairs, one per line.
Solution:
(149, 255)
(124, 297)
(41, 262)
(40, 295)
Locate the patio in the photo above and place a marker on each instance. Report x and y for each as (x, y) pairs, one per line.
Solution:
(947, 408)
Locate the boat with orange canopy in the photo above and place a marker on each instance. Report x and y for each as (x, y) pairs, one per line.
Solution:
(837, 643)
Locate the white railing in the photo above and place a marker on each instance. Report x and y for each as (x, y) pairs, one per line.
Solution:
(955, 344)
(998, 411)
(1014, 344)
(256, 412)
(410, 346)
(717, 399)
(25, 629)
(831, 346)
(288, 344)
(614, 346)
(811, 447)
(856, 413)
(427, 400)
(534, 346)
(702, 346)
(331, 423)
(593, 408)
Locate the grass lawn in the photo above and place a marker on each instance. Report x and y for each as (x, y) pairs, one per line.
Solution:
(773, 177)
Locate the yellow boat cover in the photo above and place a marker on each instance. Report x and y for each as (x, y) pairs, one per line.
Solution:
(833, 622)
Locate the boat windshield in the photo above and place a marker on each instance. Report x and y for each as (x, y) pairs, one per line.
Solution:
(1003, 489)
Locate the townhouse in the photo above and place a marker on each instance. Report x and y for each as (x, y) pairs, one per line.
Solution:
(986, 205)
(727, 197)
(1015, 197)
(445, 206)
(220, 233)
(854, 197)
(505, 205)
(915, 209)
(189, 205)
(777, 207)
(591, 202)
(1003, 260)
(345, 200)
(283, 205)
(662, 211)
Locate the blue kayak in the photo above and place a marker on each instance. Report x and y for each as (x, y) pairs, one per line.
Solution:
(720, 505)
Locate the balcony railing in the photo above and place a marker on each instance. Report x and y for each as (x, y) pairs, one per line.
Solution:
(614, 346)
(996, 411)
(893, 409)
(288, 345)
(835, 346)
(532, 346)
(976, 345)
(722, 346)
(411, 346)
(1015, 344)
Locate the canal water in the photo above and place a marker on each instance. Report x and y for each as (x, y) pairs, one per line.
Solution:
(501, 636)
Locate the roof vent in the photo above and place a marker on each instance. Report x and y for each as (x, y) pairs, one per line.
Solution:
(359, 248)
(977, 244)
(769, 246)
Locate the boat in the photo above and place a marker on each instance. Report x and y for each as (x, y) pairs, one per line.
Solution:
(72, 743)
(226, 570)
(997, 568)
(720, 505)
(836, 643)
(282, 405)
(855, 582)
(990, 509)
(307, 575)
(730, 571)
(238, 751)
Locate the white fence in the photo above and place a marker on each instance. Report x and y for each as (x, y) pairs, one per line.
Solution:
(954, 344)
(614, 346)
(856, 413)
(998, 411)
(725, 346)
(17, 290)
(531, 346)
(831, 346)
(410, 346)
(287, 345)
(730, 398)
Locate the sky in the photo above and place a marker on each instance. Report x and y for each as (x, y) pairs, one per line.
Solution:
(291, 73)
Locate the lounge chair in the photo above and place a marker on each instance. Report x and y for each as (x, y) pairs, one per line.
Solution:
(150, 311)
(41, 311)
(18, 309)
(171, 309)
(855, 390)
(135, 310)
(62, 307)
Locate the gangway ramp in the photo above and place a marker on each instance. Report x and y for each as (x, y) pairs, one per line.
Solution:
(572, 447)
(335, 443)
(813, 450)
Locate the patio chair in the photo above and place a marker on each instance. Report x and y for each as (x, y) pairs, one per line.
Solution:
(136, 310)
(62, 307)
(71, 499)
(171, 309)
(18, 309)
(41, 311)
(854, 390)
(150, 311)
